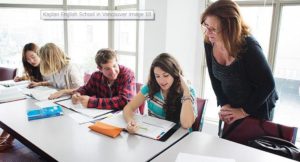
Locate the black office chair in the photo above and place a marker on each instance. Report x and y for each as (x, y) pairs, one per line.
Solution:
(7, 73)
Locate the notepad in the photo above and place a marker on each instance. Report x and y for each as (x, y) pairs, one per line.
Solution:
(45, 112)
(149, 126)
(90, 112)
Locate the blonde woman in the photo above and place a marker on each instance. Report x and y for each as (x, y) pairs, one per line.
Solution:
(60, 73)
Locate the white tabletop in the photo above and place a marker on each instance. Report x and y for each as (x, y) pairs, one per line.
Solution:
(204, 144)
(64, 139)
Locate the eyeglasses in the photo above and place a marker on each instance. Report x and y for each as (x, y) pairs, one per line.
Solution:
(207, 29)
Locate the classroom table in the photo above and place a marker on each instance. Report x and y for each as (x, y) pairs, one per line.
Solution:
(63, 139)
(199, 143)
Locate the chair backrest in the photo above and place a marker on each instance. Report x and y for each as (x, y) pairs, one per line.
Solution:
(86, 77)
(142, 107)
(198, 124)
(250, 128)
(7, 73)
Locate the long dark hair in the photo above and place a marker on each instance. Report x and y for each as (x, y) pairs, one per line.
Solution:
(33, 73)
(172, 105)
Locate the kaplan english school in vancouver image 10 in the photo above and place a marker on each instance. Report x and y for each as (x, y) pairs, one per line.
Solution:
(96, 15)
(139, 30)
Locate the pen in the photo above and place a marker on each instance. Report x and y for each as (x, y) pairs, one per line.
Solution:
(94, 120)
(153, 125)
(144, 128)
(161, 134)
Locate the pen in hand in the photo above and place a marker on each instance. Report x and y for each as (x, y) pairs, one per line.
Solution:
(144, 128)
(132, 126)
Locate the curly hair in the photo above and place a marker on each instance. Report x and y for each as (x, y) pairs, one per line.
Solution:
(172, 105)
(31, 72)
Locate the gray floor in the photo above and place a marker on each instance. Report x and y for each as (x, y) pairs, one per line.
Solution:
(19, 153)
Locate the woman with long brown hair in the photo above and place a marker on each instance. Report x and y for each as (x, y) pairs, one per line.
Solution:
(168, 95)
(239, 72)
(31, 64)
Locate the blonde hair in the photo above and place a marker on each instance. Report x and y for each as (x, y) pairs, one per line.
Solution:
(53, 59)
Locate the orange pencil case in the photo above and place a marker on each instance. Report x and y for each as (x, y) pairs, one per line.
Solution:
(106, 129)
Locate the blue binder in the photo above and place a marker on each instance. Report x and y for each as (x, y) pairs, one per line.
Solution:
(45, 112)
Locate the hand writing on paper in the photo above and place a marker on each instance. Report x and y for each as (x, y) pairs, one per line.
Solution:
(56, 95)
(33, 84)
(132, 126)
(76, 98)
(84, 100)
(17, 79)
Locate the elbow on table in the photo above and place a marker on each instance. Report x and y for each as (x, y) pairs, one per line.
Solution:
(186, 124)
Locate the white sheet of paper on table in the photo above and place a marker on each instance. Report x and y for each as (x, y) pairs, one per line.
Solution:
(185, 157)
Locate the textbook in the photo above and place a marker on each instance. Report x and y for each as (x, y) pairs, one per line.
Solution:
(148, 126)
(45, 112)
(89, 112)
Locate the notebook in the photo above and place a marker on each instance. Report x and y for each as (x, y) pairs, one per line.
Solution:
(45, 112)
(11, 83)
(41, 93)
(10, 94)
(90, 112)
(149, 126)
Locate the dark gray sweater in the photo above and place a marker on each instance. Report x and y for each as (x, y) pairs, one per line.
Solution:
(247, 82)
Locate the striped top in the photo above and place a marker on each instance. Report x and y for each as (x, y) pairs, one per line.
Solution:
(155, 105)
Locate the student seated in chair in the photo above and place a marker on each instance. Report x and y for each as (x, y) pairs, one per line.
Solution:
(31, 63)
(109, 88)
(167, 93)
(59, 70)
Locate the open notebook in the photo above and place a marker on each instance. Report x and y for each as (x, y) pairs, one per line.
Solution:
(10, 94)
(41, 93)
(149, 126)
(90, 112)
(11, 83)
